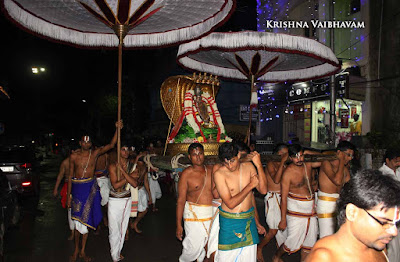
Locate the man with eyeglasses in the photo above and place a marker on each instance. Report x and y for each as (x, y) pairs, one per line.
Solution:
(368, 216)
(391, 164)
(234, 181)
(332, 176)
(298, 205)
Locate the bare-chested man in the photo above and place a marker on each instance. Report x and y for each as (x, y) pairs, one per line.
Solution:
(238, 236)
(391, 166)
(298, 205)
(244, 156)
(144, 193)
(368, 216)
(332, 176)
(274, 171)
(119, 203)
(103, 181)
(102, 175)
(63, 174)
(83, 193)
(194, 206)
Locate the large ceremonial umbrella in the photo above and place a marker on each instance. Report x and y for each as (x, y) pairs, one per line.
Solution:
(259, 56)
(137, 24)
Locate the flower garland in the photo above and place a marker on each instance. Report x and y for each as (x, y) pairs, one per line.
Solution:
(215, 112)
(188, 109)
(194, 120)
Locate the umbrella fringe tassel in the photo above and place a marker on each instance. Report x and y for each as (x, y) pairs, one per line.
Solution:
(249, 42)
(64, 34)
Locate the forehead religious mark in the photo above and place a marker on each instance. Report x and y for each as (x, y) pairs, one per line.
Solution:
(197, 151)
(299, 154)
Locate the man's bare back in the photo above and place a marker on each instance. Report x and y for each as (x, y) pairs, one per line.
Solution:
(65, 168)
(63, 173)
(334, 174)
(327, 184)
(333, 249)
(102, 162)
(65, 165)
(271, 170)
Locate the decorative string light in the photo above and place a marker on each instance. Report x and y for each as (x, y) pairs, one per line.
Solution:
(281, 9)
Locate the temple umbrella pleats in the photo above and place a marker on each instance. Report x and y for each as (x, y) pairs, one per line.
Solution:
(107, 12)
(259, 56)
(123, 11)
(155, 23)
(137, 24)
(255, 64)
(267, 67)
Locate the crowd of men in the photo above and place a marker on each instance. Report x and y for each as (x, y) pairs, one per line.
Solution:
(355, 215)
(304, 201)
(98, 188)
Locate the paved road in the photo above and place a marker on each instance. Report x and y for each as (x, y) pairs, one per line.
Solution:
(43, 231)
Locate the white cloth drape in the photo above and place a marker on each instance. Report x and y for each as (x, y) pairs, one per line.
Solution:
(118, 217)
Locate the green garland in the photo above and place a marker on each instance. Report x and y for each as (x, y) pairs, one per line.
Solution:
(187, 132)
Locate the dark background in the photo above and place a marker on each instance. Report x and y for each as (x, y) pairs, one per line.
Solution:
(51, 102)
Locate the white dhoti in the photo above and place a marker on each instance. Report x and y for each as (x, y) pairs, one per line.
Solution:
(118, 217)
(80, 227)
(104, 185)
(212, 245)
(142, 200)
(302, 225)
(135, 201)
(155, 189)
(273, 215)
(197, 219)
(70, 221)
(176, 181)
(393, 249)
(243, 254)
(326, 209)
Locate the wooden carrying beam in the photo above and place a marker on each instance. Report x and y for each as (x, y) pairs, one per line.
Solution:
(164, 162)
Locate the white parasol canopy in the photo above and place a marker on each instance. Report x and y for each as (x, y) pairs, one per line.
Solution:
(269, 57)
(90, 22)
(258, 56)
(138, 23)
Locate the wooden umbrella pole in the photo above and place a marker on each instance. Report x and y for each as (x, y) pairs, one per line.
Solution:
(120, 31)
(170, 122)
(251, 112)
(119, 102)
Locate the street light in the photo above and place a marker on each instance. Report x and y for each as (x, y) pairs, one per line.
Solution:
(37, 70)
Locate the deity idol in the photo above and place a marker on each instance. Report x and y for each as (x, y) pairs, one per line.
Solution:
(200, 120)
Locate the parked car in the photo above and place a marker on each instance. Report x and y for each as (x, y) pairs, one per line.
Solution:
(9, 209)
(18, 164)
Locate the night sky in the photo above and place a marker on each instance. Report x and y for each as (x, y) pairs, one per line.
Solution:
(51, 102)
